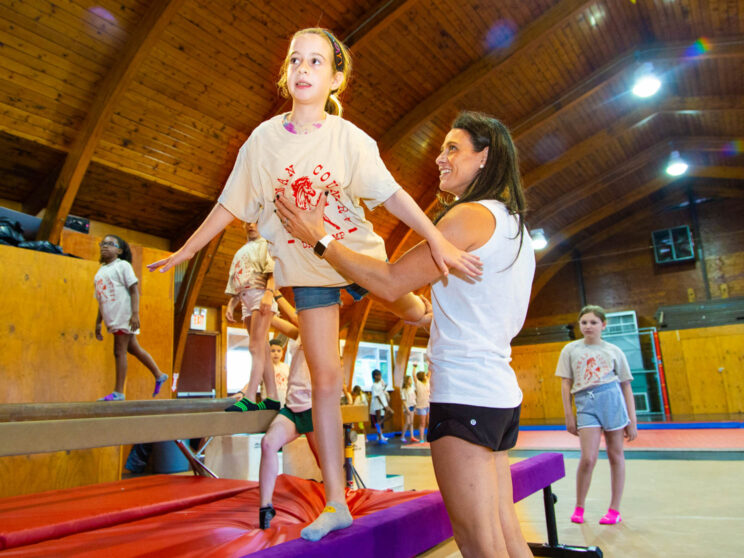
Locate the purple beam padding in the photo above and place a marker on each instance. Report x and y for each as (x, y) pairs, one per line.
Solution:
(536, 473)
(378, 534)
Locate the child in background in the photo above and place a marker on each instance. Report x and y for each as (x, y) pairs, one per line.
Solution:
(281, 368)
(251, 284)
(358, 397)
(408, 397)
(596, 374)
(378, 405)
(421, 381)
(292, 421)
(302, 154)
(118, 308)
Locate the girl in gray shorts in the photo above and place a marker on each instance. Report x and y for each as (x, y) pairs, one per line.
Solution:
(596, 375)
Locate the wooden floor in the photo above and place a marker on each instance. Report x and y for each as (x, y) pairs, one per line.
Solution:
(671, 508)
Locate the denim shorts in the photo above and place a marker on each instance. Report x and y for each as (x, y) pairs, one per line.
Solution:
(307, 298)
(602, 406)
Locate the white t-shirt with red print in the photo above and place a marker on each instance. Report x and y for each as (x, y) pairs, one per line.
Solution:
(250, 267)
(112, 282)
(299, 385)
(589, 366)
(338, 157)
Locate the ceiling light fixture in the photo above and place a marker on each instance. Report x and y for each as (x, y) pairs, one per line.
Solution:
(538, 239)
(676, 165)
(646, 82)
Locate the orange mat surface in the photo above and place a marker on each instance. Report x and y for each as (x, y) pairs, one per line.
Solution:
(224, 527)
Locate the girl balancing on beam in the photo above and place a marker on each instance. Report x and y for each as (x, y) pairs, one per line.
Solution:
(475, 398)
(301, 154)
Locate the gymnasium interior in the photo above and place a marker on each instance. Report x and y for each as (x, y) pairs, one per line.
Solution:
(125, 117)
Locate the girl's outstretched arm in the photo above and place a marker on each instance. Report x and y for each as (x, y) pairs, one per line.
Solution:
(445, 254)
(217, 220)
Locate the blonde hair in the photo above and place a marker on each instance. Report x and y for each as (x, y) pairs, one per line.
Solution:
(407, 382)
(339, 57)
(596, 310)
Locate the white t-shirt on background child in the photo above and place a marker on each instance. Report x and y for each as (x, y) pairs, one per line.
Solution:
(590, 366)
(112, 282)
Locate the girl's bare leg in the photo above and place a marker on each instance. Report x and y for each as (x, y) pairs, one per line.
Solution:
(281, 431)
(319, 332)
(121, 342)
(258, 345)
(136, 350)
(589, 439)
(614, 441)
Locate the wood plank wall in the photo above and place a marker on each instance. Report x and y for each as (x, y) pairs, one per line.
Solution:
(620, 273)
(535, 369)
(704, 369)
(48, 351)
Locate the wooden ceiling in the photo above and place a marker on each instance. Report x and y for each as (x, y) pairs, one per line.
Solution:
(132, 112)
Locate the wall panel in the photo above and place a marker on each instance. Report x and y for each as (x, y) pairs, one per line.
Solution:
(48, 351)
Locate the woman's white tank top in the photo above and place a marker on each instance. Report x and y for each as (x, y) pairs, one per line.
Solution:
(476, 319)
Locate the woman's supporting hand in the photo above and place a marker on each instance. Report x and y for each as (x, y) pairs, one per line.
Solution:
(306, 225)
(425, 321)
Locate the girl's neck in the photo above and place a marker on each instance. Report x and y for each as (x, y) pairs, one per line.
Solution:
(304, 115)
(592, 340)
(105, 261)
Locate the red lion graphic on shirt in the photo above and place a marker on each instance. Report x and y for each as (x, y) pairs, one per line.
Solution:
(303, 192)
(592, 369)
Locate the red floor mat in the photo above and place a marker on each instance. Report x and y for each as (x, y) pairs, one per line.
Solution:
(222, 528)
(36, 517)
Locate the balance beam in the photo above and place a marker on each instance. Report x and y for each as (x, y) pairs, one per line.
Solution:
(539, 473)
(28, 429)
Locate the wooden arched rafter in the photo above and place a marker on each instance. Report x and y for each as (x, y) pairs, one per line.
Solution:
(66, 187)
(720, 48)
(640, 116)
(186, 299)
(657, 151)
(637, 194)
(407, 337)
(475, 74)
(357, 321)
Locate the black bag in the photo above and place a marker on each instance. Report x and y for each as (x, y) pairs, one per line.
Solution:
(41, 246)
(11, 231)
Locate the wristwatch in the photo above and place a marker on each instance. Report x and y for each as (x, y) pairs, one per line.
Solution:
(322, 245)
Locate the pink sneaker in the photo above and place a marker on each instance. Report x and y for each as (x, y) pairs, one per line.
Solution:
(612, 517)
(578, 515)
